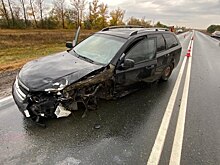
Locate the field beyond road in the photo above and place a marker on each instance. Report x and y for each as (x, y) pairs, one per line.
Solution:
(20, 46)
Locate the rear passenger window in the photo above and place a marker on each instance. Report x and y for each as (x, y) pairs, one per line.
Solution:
(170, 40)
(160, 43)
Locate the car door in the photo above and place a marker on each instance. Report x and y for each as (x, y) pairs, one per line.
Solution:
(172, 49)
(162, 55)
(143, 54)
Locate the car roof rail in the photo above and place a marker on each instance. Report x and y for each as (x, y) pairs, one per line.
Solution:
(148, 29)
(133, 33)
(122, 26)
(156, 29)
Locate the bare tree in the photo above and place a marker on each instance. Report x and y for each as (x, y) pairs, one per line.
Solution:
(5, 13)
(12, 14)
(59, 9)
(33, 11)
(24, 12)
(40, 7)
(79, 7)
(17, 12)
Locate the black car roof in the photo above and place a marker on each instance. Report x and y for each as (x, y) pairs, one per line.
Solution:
(127, 31)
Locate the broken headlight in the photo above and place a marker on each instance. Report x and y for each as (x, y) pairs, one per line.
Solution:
(58, 85)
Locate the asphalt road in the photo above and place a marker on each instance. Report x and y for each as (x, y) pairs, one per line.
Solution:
(129, 126)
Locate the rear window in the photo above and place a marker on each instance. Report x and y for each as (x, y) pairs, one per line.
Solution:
(171, 41)
(160, 41)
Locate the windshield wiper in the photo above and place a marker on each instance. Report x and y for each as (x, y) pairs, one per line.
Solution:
(82, 57)
(85, 58)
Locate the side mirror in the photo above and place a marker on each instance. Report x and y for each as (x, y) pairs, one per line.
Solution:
(75, 41)
(72, 44)
(128, 63)
(69, 45)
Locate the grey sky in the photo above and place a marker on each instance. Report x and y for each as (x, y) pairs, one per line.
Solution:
(190, 13)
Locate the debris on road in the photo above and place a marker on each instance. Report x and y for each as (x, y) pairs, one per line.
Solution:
(97, 126)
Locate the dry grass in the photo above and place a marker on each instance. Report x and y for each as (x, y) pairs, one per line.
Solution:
(20, 46)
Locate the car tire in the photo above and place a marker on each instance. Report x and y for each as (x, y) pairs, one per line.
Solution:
(166, 72)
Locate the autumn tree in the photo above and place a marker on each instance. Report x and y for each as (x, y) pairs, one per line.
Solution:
(134, 21)
(117, 16)
(213, 28)
(36, 13)
(103, 15)
(140, 22)
(59, 11)
(98, 15)
(160, 25)
(145, 23)
(79, 7)
(71, 18)
(94, 13)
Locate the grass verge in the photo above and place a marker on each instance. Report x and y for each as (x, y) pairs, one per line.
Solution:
(20, 46)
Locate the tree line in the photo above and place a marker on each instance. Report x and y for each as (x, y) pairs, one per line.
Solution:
(62, 14)
(213, 28)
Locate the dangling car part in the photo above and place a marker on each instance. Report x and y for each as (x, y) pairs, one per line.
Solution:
(106, 65)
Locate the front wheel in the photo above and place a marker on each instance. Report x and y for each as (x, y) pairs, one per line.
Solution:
(166, 73)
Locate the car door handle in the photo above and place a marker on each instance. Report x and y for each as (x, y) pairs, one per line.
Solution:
(150, 67)
(167, 55)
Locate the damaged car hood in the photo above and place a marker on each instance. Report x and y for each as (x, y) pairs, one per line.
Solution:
(44, 72)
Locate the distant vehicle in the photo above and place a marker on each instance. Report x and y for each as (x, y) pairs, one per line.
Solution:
(216, 34)
(108, 64)
(179, 30)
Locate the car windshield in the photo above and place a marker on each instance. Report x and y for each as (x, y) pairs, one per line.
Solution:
(99, 48)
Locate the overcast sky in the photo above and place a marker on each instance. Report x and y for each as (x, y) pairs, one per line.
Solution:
(189, 13)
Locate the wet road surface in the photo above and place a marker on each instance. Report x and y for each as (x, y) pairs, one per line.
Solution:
(129, 126)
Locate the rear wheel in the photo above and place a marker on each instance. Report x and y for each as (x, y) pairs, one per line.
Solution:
(166, 73)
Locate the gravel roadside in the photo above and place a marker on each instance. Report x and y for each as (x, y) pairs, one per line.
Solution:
(6, 80)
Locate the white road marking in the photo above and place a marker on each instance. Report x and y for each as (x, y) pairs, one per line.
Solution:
(178, 138)
(154, 157)
(6, 99)
(159, 142)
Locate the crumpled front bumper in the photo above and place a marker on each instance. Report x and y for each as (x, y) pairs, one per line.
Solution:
(33, 109)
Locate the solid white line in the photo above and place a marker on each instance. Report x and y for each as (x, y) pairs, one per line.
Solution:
(154, 157)
(6, 99)
(178, 138)
(159, 142)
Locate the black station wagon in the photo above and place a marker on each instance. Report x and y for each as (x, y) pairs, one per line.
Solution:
(108, 64)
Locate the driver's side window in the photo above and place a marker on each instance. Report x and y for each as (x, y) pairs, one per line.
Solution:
(142, 50)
